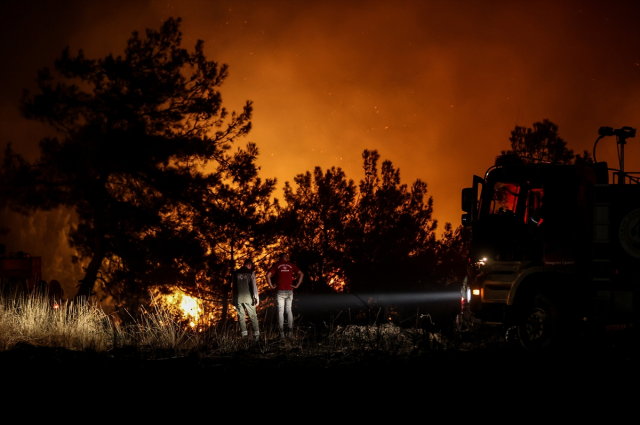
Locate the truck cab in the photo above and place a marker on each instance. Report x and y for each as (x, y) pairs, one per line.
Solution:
(552, 248)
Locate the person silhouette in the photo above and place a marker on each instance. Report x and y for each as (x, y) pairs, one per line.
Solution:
(245, 297)
(283, 272)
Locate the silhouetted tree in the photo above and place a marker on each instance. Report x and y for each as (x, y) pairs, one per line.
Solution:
(237, 223)
(315, 220)
(452, 252)
(583, 159)
(135, 136)
(392, 235)
(379, 236)
(542, 143)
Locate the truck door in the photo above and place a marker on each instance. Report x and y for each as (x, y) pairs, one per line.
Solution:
(501, 220)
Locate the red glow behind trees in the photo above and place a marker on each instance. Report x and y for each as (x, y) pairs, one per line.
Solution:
(235, 224)
(135, 136)
(315, 224)
(379, 236)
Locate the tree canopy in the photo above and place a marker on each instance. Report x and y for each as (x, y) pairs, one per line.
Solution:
(542, 143)
(315, 224)
(135, 134)
(142, 153)
(378, 236)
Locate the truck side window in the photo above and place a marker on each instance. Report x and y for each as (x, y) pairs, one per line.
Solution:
(533, 212)
(505, 199)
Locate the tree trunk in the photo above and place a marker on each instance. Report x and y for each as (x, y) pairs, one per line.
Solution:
(225, 290)
(85, 288)
(225, 306)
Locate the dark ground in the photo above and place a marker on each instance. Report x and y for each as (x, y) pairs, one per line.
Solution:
(452, 386)
(614, 359)
(482, 368)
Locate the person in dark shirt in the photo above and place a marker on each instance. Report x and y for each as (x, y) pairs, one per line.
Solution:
(283, 272)
(245, 297)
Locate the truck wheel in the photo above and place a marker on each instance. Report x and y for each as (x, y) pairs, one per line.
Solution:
(538, 323)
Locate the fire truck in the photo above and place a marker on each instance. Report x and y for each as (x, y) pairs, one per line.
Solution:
(555, 249)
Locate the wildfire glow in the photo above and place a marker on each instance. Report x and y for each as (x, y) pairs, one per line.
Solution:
(189, 308)
(337, 284)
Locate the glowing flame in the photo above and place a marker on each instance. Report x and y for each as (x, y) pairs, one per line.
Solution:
(190, 308)
(337, 284)
(181, 304)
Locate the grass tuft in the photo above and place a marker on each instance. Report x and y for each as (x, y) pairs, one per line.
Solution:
(158, 334)
(33, 320)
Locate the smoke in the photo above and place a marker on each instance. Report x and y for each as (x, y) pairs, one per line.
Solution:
(45, 234)
(435, 86)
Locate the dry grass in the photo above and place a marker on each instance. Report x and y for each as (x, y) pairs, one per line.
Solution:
(156, 329)
(157, 333)
(32, 320)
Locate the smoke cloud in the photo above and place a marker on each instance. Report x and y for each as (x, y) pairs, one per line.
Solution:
(435, 86)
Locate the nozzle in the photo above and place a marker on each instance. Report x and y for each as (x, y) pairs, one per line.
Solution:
(605, 131)
(623, 133)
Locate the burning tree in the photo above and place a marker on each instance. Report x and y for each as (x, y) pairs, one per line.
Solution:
(135, 134)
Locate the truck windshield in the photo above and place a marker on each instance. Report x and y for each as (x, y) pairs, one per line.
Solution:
(505, 198)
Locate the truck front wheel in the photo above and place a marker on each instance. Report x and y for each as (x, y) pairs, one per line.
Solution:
(539, 323)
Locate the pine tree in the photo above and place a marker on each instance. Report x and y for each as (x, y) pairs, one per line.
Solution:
(542, 143)
(392, 236)
(315, 223)
(135, 134)
(237, 223)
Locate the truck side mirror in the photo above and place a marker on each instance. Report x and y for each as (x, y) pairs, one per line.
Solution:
(468, 198)
(466, 220)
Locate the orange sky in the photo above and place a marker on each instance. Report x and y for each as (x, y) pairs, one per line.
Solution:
(435, 86)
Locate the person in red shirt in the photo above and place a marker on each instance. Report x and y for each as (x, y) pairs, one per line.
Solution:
(283, 272)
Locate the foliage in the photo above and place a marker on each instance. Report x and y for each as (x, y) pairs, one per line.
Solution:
(235, 224)
(315, 223)
(452, 252)
(379, 236)
(392, 237)
(135, 134)
(542, 143)
(142, 154)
